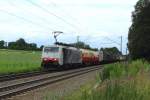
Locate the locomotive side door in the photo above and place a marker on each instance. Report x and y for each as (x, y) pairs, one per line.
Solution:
(64, 56)
(61, 60)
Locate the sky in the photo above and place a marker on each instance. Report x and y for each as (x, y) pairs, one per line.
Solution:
(99, 23)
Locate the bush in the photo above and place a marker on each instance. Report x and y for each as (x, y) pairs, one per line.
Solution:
(119, 70)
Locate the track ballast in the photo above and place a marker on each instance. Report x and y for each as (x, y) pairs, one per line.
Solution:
(13, 87)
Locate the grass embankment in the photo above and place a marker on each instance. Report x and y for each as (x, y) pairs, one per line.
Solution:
(118, 82)
(17, 61)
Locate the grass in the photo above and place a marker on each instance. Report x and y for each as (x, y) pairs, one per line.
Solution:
(136, 88)
(120, 81)
(133, 89)
(119, 70)
(17, 61)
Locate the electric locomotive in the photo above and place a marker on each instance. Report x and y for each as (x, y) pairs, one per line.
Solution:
(60, 56)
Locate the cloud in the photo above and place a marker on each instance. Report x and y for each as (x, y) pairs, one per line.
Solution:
(86, 2)
(91, 19)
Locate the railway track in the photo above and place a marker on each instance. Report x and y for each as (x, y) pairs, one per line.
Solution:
(21, 75)
(31, 74)
(13, 87)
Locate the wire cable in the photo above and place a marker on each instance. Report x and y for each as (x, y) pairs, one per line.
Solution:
(55, 5)
(112, 40)
(41, 18)
(44, 9)
(24, 19)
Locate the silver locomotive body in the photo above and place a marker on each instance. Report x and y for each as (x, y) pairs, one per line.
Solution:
(56, 56)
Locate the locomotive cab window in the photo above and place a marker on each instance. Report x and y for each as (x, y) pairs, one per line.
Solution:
(51, 49)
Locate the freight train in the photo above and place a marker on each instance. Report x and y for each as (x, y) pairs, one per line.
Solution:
(60, 56)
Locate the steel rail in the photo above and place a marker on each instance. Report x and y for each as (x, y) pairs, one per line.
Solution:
(29, 74)
(20, 75)
(9, 90)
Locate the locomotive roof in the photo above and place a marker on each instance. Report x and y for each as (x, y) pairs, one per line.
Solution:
(61, 46)
(68, 47)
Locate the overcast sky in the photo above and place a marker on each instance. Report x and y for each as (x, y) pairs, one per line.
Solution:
(97, 22)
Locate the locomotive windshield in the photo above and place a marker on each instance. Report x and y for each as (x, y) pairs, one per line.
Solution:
(51, 49)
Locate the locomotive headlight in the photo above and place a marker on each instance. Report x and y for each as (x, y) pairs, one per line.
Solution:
(55, 59)
(45, 59)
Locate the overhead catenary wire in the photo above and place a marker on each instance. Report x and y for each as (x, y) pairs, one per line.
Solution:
(68, 14)
(112, 40)
(55, 5)
(53, 14)
(40, 18)
(108, 43)
(24, 19)
(87, 40)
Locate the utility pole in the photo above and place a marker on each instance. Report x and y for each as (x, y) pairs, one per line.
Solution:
(77, 45)
(127, 53)
(78, 39)
(121, 45)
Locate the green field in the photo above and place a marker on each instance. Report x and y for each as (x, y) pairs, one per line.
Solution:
(17, 61)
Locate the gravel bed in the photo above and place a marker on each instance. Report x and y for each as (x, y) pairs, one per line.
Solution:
(7, 83)
(58, 89)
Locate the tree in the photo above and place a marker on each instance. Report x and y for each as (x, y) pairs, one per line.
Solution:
(31, 46)
(111, 53)
(2, 42)
(83, 45)
(139, 32)
(41, 47)
(12, 45)
(21, 44)
(112, 50)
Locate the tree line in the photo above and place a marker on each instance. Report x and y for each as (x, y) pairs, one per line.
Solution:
(19, 44)
(77, 45)
(139, 32)
(83, 45)
(113, 51)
